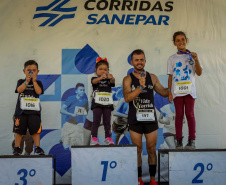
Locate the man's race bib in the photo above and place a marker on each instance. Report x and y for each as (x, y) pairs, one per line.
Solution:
(145, 115)
(104, 98)
(30, 104)
(80, 111)
(182, 87)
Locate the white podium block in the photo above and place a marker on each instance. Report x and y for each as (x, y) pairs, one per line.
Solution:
(104, 165)
(197, 167)
(26, 170)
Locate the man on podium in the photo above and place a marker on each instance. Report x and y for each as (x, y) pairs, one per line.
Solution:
(138, 91)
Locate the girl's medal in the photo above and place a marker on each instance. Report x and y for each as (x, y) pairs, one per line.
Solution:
(190, 60)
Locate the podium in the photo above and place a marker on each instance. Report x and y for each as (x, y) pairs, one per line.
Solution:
(189, 167)
(104, 165)
(25, 170)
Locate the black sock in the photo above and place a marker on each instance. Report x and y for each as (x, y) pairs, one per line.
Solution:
(139, 172)
(152, 170)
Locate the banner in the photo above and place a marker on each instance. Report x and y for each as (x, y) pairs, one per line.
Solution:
(66, 36)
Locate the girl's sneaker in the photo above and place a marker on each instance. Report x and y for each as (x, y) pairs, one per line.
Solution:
(109, 141)
(94, 141)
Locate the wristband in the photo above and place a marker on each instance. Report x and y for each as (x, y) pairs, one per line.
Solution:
(141, 88)
(169, 89)
(25, 83)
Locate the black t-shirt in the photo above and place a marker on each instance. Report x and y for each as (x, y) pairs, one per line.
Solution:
(29, 92)
(102, 86)
(145, 100)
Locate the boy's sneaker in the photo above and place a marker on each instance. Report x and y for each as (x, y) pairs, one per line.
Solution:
(179, 144)
(109, 141)
(190, 145)
(17, 151)
(153, 182)
(140, 182)
(94, 141)
(39, 151)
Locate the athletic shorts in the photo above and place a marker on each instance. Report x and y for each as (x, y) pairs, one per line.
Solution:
(143, 128)
(24, 122)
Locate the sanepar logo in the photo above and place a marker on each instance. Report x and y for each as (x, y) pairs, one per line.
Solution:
(58, 14)
(129, 6)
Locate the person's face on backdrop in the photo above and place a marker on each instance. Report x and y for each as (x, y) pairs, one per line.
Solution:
(102, 69)
(80, 91)
(180, 42)
(138, 62)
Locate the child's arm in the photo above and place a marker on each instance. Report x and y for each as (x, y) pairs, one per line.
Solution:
(170, 96)
(96, 80)
(22, 87)
(198, 68)
(37, 88)
(111, 77)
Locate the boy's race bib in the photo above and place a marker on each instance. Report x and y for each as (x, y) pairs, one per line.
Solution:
(30, 104)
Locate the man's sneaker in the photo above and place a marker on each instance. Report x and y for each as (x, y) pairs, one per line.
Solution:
(109, 141)
(179, 144)
(190, 145)
(39, 151)
(140, 182)
(153, 182)
(17, 151)
(94, 141)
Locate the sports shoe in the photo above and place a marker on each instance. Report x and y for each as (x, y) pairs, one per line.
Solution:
(179, 144)
(140, 182)
(153, 182)
(190, 145)
(109, 141)
(39, 151)
(17, 151)
(94, 141)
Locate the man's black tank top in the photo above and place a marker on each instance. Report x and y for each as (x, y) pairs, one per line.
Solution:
(145, 100)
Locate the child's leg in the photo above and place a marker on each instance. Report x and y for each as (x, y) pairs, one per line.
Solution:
(189, 112)
(35, 128)
(97, 113)
(36, 138)
(179, 115)
(18, 138)
(107, 121)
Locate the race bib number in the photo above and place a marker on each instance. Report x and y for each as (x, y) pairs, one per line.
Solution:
(30, 104)
(145, 115)
(104, 98)
(80, 111)
(182, 87)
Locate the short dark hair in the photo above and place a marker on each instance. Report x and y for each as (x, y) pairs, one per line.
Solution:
(30, 62)
(102, 62)
(137, 52)
(79, 85)
(179, 33)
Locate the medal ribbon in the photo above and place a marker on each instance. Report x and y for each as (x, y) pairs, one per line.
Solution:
(186, 53)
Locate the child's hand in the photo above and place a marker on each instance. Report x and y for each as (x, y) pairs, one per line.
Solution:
(194, 56)
(110, 76)
(170, 97)
(28, 79)
(103, 76)
(34, 78)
